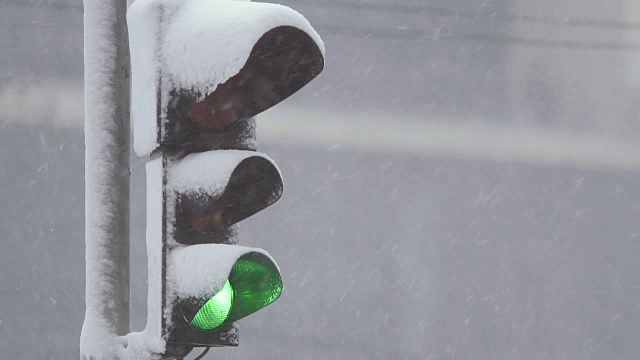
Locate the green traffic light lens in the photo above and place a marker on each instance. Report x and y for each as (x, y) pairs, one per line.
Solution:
(253, 283)
(215, 311)
(256, 283)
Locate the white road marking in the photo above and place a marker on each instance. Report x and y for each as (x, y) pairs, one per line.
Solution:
(60, 105)
(449, 139)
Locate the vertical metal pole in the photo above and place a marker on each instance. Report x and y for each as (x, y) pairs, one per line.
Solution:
(107, 173)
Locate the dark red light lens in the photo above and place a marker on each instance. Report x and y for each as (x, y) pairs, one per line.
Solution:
(217, 110)
(209, 221)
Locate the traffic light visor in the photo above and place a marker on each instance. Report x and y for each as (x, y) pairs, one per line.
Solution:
(282, 62)
(254, 185)
(218, 62)
(217, 189)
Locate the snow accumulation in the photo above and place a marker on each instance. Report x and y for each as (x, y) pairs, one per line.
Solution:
(193, 45)
(143, 22)
(207, 42)
(208, 172)
(153, 331)
(201, 270)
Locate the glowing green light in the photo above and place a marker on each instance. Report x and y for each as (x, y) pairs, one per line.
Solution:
(253, 283)
(215, 311)
(256, 284)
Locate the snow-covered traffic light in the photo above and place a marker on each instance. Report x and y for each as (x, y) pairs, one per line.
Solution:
(209, 283)
(201, 71)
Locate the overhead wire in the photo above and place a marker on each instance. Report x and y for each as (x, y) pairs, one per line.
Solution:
(479, 13)
(490, 38)
(486, 38)
(476, 14)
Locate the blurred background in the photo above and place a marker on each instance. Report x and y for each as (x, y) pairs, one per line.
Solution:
(461, 182)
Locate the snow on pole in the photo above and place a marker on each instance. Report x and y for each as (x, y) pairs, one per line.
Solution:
(106, 85)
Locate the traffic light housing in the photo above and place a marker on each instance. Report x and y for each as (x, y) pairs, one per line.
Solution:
(201, 71)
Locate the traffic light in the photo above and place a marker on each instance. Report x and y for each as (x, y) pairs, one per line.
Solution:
(201, 71)
(210, 283)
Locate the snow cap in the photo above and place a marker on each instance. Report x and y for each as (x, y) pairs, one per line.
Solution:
(201, 270)
(209, 172)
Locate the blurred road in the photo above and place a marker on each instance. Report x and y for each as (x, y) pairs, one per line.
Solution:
(383, 256)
